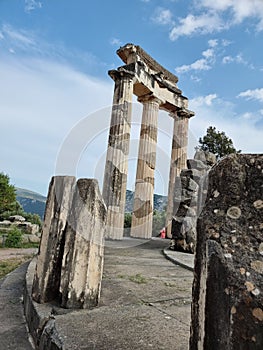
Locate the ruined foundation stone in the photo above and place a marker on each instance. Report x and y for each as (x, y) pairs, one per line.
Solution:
(227, 306)
(188, 201)
(70, 259)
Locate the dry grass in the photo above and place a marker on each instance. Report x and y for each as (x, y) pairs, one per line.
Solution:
(9, 265)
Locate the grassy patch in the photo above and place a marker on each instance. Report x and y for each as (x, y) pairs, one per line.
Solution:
(23, 245)
(30, 245)
(138, 278)
(9, 265)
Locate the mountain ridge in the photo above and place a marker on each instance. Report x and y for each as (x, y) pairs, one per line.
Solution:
(33, 202)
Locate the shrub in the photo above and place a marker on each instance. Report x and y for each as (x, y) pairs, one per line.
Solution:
(14, 238)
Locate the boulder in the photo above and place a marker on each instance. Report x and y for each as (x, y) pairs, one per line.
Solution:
(17, 218)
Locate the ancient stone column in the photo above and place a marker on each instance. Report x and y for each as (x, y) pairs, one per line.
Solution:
(144, 187)
(227, 304)
(47, 276)
(116, 168)
(82, 264)
(178, 161)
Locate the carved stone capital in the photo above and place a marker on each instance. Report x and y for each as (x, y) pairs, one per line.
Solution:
(181, 113)
(149, 98)
(121, 73)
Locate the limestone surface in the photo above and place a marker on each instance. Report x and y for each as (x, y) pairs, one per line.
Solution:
(227, 307)
(189, 194)
(70, 259)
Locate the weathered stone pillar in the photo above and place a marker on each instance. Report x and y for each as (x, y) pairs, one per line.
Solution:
(82, 264)
(70, 260)
(116, 168)
(227, 304)
(47, 276)
(144, 187)
(178, 161)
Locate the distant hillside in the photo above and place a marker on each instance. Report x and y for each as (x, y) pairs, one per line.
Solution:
(158, 200)
(31, 202)
(34, 203)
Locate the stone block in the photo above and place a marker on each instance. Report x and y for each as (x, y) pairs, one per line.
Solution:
(207, 158)
(82, 264)
(196, 164)
(47, 276)
(227, 306)
(70, 259)
(194, 174)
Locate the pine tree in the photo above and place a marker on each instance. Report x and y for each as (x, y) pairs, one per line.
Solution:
(7, 194)
(217, 142)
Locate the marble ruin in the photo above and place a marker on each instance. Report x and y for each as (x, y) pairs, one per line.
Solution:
(188, 201)
(227, 301)
(70, 259)
(215, 212)
(156, 88)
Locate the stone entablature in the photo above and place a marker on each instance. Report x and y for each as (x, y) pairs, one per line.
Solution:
(151, 78)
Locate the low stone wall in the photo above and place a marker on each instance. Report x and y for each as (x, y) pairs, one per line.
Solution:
(39, 317)
(227, 306)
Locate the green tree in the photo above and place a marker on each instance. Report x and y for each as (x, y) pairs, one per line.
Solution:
(7, 194)
(158, 221)
(127, 220)
(217, 142)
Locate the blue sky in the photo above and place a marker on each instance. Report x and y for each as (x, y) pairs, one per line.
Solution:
(55, 93)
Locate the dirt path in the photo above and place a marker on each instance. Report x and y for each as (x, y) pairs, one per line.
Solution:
(12, 253)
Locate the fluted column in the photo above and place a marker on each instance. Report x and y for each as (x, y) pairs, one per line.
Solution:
(144, 187)
(178, 160)
(116, 168)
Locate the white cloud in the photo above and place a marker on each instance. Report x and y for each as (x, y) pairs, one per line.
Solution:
(212, 42)
(256, 94)
(200, 64)
(31, 5)
(240, 10)
(204, 100)
(208, 53)
(18, 37)
(162, 16)
(202, 24)
(221, 114)
(115, 42)
(41, 100)
(239, 59)
(226, 42)
(228, 59)
(213, 16)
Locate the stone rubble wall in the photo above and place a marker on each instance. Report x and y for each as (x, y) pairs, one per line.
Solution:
(227, 305)
(187, 201)
(25, 226)
(70, 260)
